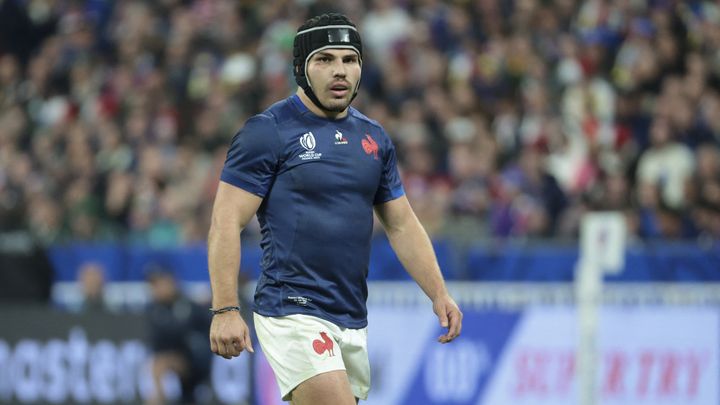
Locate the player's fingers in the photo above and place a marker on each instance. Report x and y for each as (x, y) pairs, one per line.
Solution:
(444, 338)
(237, 346)
(213, 345)
(455, 318)
(442, 316)
(454, 327)
(234, 346)
(248, 342)
(226, 348)
(220, 346)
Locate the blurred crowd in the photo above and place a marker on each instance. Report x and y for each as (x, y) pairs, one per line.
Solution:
(511, 118)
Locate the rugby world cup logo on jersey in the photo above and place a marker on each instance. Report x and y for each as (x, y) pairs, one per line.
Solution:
(307, 141)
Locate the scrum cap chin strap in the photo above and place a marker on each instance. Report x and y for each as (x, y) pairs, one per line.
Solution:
(312, 40)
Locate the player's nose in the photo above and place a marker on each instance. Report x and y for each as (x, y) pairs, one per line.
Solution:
(339, 69)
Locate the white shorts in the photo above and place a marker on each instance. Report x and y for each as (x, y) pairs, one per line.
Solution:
(302, 346)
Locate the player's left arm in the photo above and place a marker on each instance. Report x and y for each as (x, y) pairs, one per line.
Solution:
(414, 249)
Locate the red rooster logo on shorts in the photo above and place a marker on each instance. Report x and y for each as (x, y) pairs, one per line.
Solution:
(321, 346)
(370, 146)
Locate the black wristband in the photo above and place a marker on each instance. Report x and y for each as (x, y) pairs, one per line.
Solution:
(224, 309)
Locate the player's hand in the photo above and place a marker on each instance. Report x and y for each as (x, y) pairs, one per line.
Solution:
(229, 335)
(450, 317)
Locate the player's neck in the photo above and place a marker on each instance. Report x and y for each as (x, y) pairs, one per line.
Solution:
(317, 110)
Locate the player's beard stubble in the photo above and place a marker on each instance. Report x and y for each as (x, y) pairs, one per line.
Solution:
(333, 103)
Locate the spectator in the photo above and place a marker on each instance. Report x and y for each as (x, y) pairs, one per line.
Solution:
(704, 189)
(91, 277)
(666, 166)
(531, 199)
(177, 336)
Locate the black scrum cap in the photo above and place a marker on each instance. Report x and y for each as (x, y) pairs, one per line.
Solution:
(322, 32)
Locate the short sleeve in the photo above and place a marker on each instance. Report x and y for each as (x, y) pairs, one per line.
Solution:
(252, 159)
(390, 186)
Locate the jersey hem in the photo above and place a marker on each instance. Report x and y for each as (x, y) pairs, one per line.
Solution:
(318, 314)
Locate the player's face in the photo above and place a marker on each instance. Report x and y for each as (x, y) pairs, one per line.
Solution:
(334, 74)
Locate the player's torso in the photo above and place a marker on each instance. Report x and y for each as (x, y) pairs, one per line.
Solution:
(317, 217)
(330, 162)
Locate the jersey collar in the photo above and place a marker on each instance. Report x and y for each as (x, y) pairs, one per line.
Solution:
(295, 100)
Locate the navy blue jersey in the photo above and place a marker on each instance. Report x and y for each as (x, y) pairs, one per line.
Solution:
(319, 179)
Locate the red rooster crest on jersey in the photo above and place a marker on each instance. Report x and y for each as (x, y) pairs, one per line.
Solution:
(370, 146)
(326, 344)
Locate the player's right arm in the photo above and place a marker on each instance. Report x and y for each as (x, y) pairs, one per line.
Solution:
(249, 170)
(232, 210)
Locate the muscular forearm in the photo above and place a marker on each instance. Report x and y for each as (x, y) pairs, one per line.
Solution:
(224, 263)
(412, 246)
